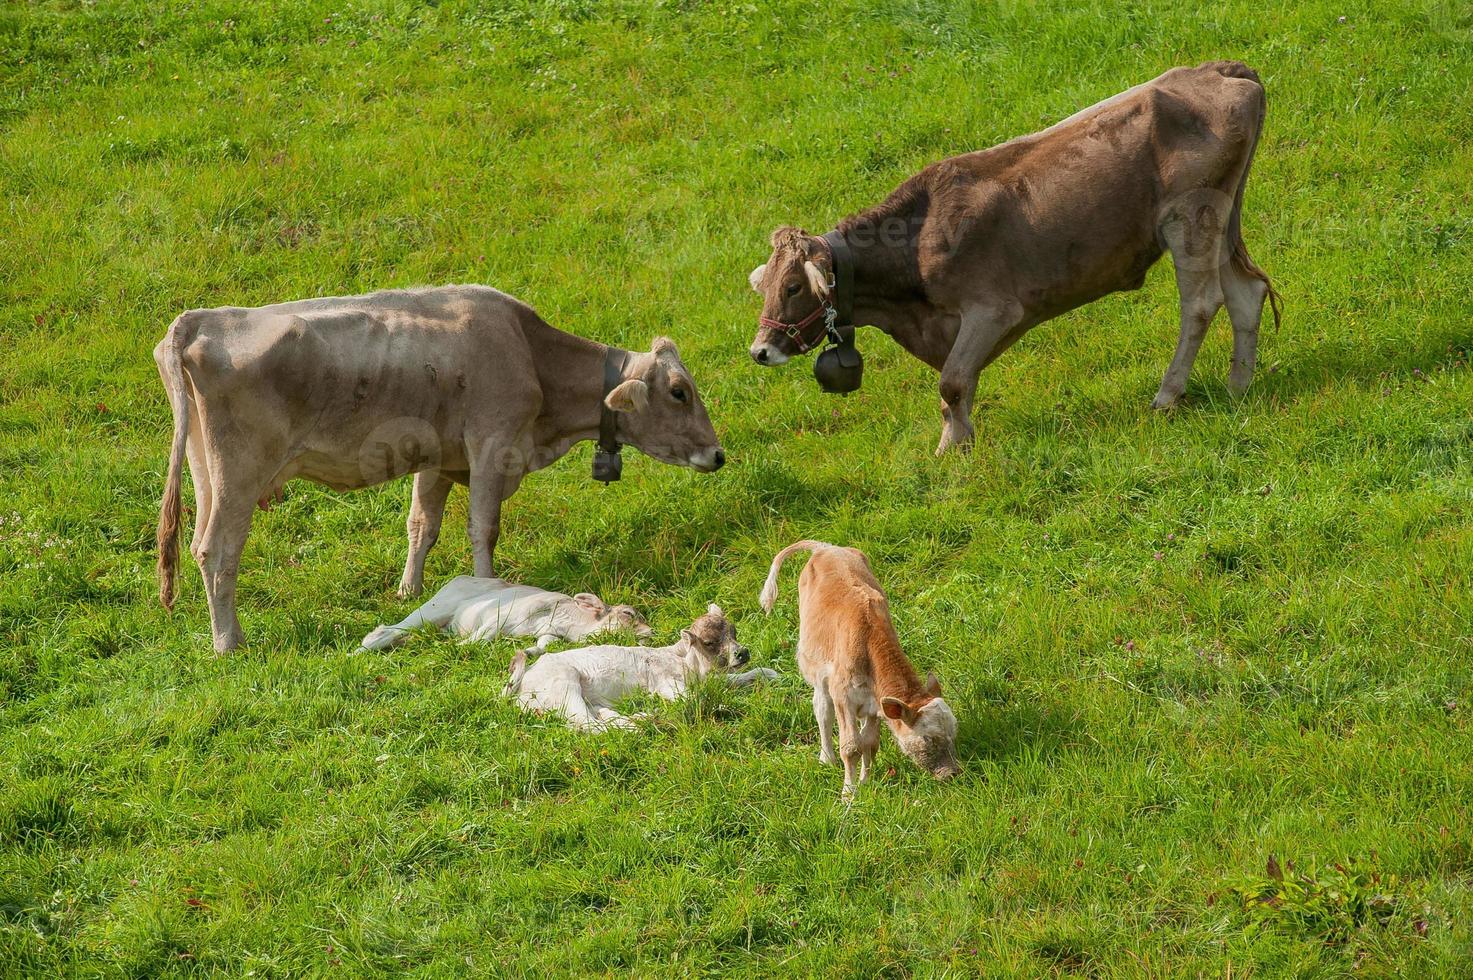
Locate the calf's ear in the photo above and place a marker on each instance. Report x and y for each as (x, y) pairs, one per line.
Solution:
(591, 602)
(714, 610)
(755, 277)
(897, 710)
(933, 686)
(631, 396)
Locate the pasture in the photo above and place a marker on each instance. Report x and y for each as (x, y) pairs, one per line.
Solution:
(1212, 667)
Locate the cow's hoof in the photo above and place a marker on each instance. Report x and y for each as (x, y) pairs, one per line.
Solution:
(1166, 401)
(408, 590)
(828, 758)
(228, 642)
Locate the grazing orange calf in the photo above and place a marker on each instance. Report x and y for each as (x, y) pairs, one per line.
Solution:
(849, 653)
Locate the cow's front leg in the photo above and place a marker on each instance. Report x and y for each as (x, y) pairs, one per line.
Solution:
(484, 522)
(426, 511)
(985, 332)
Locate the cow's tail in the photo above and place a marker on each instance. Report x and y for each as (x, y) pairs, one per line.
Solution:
(170, 358)
(514, 680)
(1240, 258)
(769, 588)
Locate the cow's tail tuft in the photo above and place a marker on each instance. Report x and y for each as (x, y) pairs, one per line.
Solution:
(170, 359)
(769, 588)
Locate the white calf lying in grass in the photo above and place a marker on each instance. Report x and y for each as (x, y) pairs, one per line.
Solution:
(485, 608)
(849, 653)
(584, 684)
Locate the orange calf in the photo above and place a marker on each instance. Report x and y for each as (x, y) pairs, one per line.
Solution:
(849, 653)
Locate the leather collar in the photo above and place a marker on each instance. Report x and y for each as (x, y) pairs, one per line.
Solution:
(608, 465)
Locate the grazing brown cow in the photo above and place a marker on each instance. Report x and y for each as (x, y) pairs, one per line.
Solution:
(849, 653)
(459, 384)
(971, 253)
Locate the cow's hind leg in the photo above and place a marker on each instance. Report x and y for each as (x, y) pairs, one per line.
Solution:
(1244, 294)
(1195, 243)
(219, 561)
(199, 471)
(426, 511)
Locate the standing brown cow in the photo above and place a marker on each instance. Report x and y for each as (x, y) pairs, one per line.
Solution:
(457, 384)
(971, 253)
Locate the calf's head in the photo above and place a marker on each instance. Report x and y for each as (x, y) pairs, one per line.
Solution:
(793, 283)
(711, 644)
(925, 729)
(662, 415)
(607, 618)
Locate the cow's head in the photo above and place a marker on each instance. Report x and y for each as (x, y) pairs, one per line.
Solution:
(613, 618)
(794, 283)
(925, 729)
(661, 414)
(711, 644)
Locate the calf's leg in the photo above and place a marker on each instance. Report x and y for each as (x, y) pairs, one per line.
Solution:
(850, 746)
(437, 612)
(426, 511)
(823, 713)
(869, 744)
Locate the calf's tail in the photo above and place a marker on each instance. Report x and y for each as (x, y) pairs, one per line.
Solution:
(170, 359)
(769, 588)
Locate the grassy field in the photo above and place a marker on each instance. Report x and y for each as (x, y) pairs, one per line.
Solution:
(1211, 667)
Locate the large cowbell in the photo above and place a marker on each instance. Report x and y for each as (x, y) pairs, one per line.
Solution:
(840, 367)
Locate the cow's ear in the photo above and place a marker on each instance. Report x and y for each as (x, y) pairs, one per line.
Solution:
(631, 396)
(933, 686)
(897, 710)
(755, 277)
(591, 602)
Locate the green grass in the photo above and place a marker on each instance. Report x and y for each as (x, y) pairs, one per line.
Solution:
(1177, 644)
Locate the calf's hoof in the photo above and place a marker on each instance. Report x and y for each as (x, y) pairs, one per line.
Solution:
(379, 637)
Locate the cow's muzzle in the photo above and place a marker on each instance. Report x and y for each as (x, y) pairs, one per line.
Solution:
(767, 355)
(708, 460)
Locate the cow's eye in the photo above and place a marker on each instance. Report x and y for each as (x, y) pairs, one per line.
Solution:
(793, 288)
(678, 394)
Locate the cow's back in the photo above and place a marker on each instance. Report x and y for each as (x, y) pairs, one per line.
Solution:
(363, 388)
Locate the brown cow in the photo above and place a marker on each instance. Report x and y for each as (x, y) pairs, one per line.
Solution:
(460, 384)
(972, 252)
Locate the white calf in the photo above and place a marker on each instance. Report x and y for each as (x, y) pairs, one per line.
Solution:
(485, 608)
(584, 684)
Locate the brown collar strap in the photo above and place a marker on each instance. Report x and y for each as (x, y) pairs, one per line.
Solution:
(608, 465)
(834, 311)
